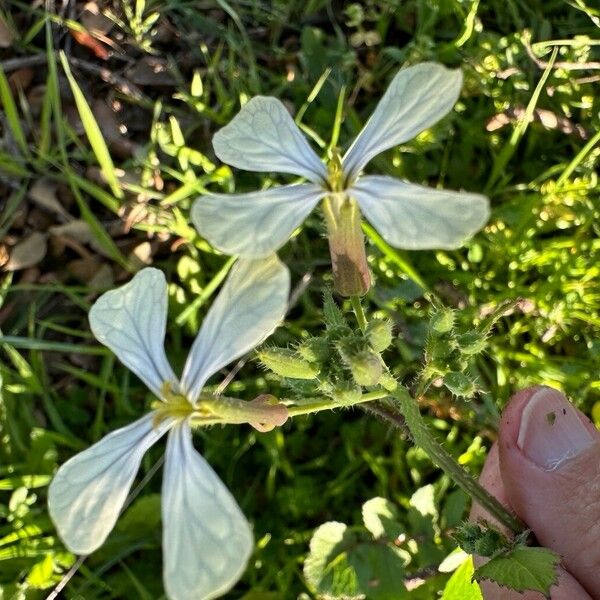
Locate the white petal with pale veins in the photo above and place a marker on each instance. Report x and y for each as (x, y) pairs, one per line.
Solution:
(206, 539)
(415, 217)
(88, 491)
(417, 98)
(256, 224)
(131, 321)
(264, 137)
(249, 307)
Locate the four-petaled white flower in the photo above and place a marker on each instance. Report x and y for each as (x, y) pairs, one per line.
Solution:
(263, 137)
(206, 539)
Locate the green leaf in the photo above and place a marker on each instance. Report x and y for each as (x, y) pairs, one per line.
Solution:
(326, 567)
(523, 569)
(340, 565)
(460, 586)
(380, 517)
(92, 131)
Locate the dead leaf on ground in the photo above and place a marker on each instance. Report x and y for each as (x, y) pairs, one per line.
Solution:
(121, 146)
(7, 37)
(152, 72)
(77, 229)
(28, 252)
(43, 193)
(94, 20)
(87, 40)
(20, 79)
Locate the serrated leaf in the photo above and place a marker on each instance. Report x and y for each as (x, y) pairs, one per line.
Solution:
(523, 569)
(326, 567)
(341, 566)
(460, 586)
(380, 517)
(380, 570)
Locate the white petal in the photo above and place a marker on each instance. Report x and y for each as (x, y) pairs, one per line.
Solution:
(206, 539)
(264, 137)
(131, 321)
(88, 491)
(415, 217)
(417, 98)
(256, 224)
(249, 307)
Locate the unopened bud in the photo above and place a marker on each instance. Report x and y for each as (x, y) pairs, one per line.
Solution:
(388, 381)
(351, 275)
(471, 343)
(442, 320)
(366, 368)
(314, 350)
(287, 363)
(346, 394)
(460, 384)
(379, 332)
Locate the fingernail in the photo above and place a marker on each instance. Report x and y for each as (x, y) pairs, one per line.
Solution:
(551, 432)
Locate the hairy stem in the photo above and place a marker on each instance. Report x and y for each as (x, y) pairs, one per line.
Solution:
(406, 412)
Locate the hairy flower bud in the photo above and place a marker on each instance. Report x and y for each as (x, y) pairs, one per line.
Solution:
(471, 343)
(379, 333)
(365, 367)
(287, 363)
(442, 320)
(314, 350)
(460, 384)
(346, 393)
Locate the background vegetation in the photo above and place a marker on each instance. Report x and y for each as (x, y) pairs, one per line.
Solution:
(99, 163)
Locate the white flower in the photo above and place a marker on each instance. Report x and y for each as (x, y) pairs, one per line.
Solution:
(263, 137)
(206, 539)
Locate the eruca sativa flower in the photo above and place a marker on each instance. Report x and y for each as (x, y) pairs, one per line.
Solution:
(263, 137)
(206, 539)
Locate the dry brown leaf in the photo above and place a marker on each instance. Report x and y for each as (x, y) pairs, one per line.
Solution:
(84, 38)
(7, 37)
(94, 20)
(109, 125)
(28, 252)
(43, 193)
(77, 229)
(151, 71)
(20, 79)
(103, 279)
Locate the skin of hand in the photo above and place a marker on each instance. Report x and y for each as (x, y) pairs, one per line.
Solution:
(545, 466)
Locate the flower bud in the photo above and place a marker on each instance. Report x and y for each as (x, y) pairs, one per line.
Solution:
(365, 367)
(460, 384)
(379, 333)
(287, 363)
(346, 393)
(314, 350)
(351, 275)
(442, 320)
(388, 381)
(471, 343)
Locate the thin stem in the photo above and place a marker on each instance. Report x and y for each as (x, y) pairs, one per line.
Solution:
(406, 411)
(305, 409)
(359, 312)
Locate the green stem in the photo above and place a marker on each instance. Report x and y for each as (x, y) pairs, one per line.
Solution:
(305, 409)
(359, 312)
(406, 412)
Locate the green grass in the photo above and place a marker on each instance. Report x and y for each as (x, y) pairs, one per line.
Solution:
(60, 391)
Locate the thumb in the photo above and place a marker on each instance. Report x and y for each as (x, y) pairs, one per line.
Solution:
(550, 468)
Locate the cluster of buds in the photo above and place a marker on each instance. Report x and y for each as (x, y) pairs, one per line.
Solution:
(482, 540)
(339, 364)
(449, 353)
